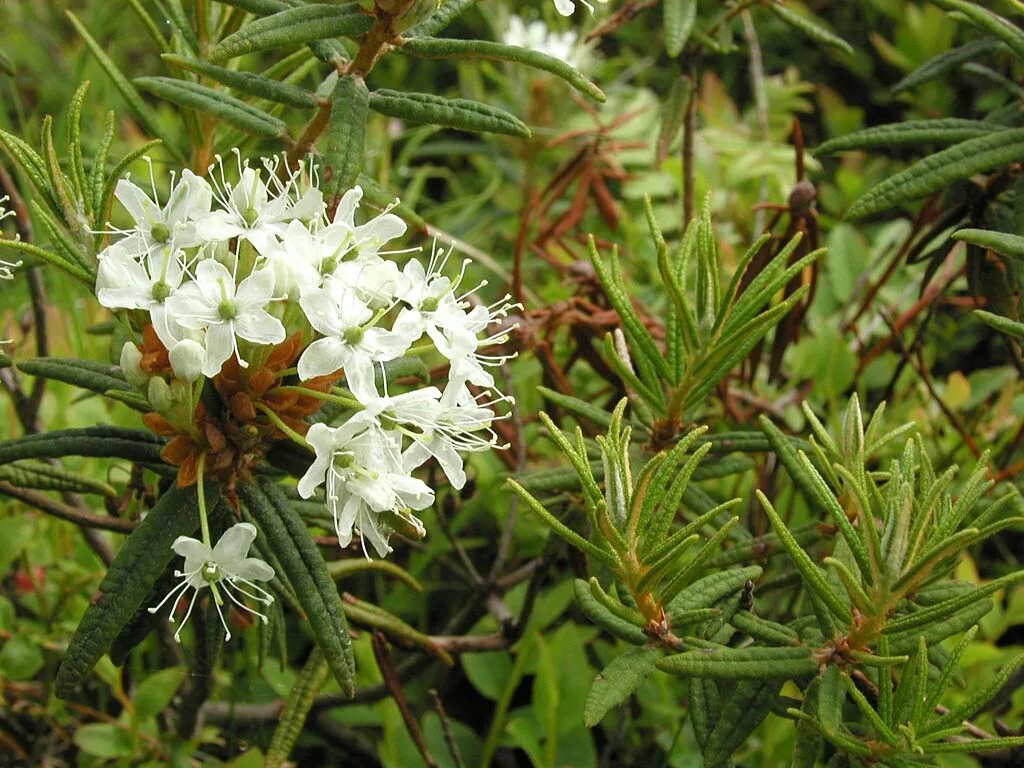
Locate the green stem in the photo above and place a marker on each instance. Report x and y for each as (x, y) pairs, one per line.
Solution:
(330, 398)
(200, 470)
(276, 421)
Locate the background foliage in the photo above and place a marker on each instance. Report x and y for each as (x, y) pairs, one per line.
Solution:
(886, 316)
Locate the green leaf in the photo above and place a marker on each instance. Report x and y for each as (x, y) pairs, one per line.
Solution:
(753, 663)
(216, 103)
(107, 442)
(577, 407)
(140, 562)
(139, 109)
(679, 16)
(296, 709)
(450, 48)
(984, 19)
(303, 24)
(947, 61)
(105, 740)
(812, 575)
(86, 374)
(617, 682)
(673, 112)
(706, 592)
(306, 570)
(21, 658)
(747, 707)
(810, 27)
(936, 172)
(461, 114)
(1000, 242)
(248, 82)
(46, 477)
(604, 618)
(947, 130)
(1000, 323)
(446, 13)
(346, 133)
(764, 630)
(155, 693)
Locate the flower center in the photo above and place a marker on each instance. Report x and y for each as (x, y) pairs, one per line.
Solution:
(211, 573)
(160, 232)
(430, 304)
(249, 216)
(344, 460)
(328, 265)
(227, 310)
(161, 290)
(354, 335)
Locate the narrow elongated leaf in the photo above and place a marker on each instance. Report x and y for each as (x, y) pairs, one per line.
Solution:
(604, 618)
(139, 109)
(462, 114)
(445, 14)
(303, 24)
(763, 629)
(346, 133)
(107, 442)
(577, 407)
(296, 708)
(706, 592)
(1000, 242)
(948, 130)
(679, 17)
(217, 103)
(46, 477)
(989, 22)
(747, 707)
(753, 663)
(810, 27)
(936, 172)
(948, 61)
(87, 374)
(617, 681)
(248, 82)
(673, 111)
(442, 48)
(307, 572)
(140, 562)
(1000, 323)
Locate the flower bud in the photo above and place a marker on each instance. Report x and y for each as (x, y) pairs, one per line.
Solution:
(131, 365)
(159, 395)
(187, 358)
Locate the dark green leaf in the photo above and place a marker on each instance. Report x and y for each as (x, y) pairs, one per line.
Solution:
(679, 16)
(617, 681)
(346, 133)
(216, 103)
(247, 82)
(462, 114)
(947, 130)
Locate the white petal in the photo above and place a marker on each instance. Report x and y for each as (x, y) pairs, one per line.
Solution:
(323, 356)
(220, 345)
(259, 327)
(233, 545)
(253, 569)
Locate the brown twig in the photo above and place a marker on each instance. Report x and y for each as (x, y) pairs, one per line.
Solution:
(75, 515)
(446, 729)
(382, 654)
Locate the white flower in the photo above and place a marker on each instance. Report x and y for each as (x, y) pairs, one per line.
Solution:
(351, 342)
(7, 267)
(173, 225)
(434, 309)
(366, 239)
(362, 469)
(125, 282)
(257, 211)
(568, 7)
(227, 313)
(225, 569)
(187, 360)
(535, 36)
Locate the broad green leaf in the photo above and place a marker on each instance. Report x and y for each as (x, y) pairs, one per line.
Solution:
(248, 82)
(21, 657)
(106, 740)
(306, 570)
(216, 103)
(618, 681)
(139, 109)
(936, 172)
(679, 17)
(947, 130)
(155, 693)
(302, 24)
(450, 48)
(346, 133)
(462, 114)
(142, 559)
(753, 663)
(810, 27)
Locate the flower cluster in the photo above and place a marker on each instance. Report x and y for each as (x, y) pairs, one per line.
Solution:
(255, 285)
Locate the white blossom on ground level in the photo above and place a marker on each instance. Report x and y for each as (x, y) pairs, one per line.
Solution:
(229, 268)
(225, 568)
